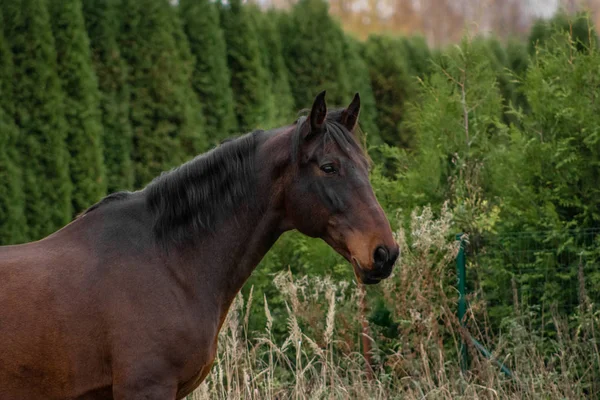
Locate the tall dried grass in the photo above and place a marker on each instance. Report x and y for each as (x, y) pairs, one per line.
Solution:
(321, 355)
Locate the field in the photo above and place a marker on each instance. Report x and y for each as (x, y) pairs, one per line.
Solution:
(494, 137)
(320, 355)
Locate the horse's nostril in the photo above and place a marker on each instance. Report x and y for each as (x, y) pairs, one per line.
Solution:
(381, 256)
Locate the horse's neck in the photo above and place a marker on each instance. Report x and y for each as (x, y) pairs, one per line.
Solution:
(222, 262)
(252, 244)
(225, 259)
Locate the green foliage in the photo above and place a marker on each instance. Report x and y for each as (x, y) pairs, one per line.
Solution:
(518, 62)
(392, 85)
(166, 129)
(314, 54)
(538, 273)
(543, 176)
(458, 126)
(39, 114)
(517, 57)
(81, 103)
(558, 149)
(359, 80)
(12, 218)
(211, 77)
(498, 61)
(249, 76)
(102, 22)
(280, 95)
(418, 56)
(193, 137)
(580, 27)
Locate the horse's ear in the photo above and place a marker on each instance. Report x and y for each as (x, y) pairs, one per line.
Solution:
(318, 113)
(350, 114)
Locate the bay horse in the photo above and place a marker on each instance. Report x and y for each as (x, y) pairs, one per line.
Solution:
(127, 300)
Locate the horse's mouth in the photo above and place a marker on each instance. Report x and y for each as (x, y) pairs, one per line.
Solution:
(361, 276)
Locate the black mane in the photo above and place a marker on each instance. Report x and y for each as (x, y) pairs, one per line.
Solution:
(194, 197)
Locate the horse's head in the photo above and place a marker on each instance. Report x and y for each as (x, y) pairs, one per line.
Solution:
(329, 194)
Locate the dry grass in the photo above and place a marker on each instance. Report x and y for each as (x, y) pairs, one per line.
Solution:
(321, 355)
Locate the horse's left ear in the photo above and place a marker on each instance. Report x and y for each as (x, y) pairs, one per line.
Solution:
(350, 114)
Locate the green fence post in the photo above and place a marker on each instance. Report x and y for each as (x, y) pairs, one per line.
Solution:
(462, 301)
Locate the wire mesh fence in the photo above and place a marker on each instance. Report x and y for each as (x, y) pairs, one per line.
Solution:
(546, 282)
(542, 274)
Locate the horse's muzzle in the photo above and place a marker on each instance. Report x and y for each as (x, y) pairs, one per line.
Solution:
(384, 259)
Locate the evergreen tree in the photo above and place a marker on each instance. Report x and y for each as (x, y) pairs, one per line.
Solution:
(211, 78)
(81, 103)
(518, 63)
(457, 123)
(248, 75)
(194, 141)
(358, 74)
(559, 153)
(579, 28)
(12, 217)
(418, 56)
(166, 130)
(102, 22)
(498, 61)
(553, 182)
(281, 101)
(40, 116)
(393, 86)
(314, 54)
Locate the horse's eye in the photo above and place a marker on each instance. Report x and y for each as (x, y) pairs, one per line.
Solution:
(328, 168)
